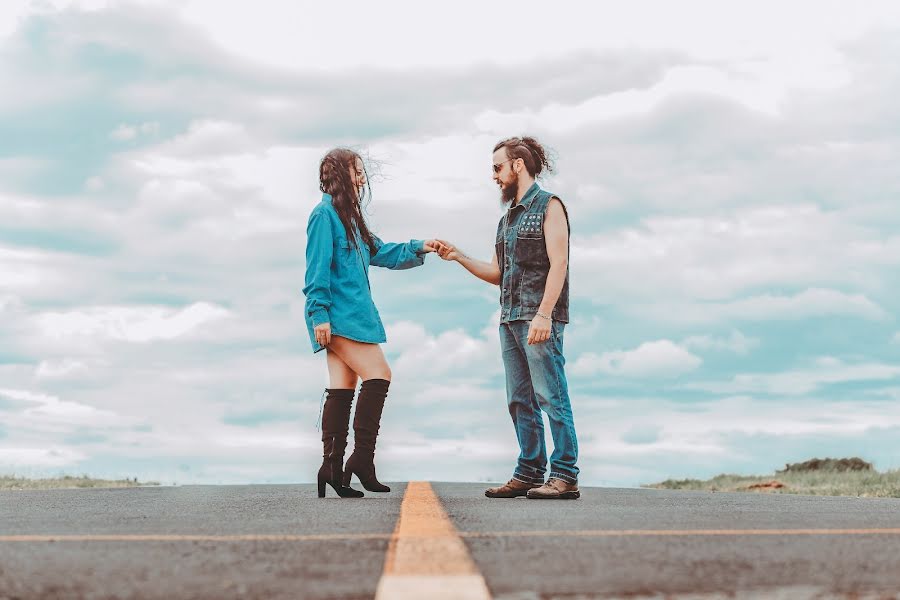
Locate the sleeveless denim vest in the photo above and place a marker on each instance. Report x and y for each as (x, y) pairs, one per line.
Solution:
(524, 264)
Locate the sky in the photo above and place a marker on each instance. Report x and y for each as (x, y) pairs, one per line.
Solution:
(730, 170)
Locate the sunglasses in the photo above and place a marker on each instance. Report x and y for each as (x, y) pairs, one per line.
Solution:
(499, 165)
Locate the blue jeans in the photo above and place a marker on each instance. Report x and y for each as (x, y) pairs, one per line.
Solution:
(536, 381)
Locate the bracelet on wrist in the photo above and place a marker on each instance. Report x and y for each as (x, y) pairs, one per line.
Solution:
(540, 314)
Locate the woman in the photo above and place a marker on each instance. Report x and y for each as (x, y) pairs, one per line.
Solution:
(342, 319)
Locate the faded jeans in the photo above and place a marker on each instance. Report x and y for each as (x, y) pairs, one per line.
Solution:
(535, 382)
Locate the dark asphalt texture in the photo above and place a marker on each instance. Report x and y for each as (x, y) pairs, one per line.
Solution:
(515, 567)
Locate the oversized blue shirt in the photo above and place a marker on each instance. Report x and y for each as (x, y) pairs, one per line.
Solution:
(337, 276)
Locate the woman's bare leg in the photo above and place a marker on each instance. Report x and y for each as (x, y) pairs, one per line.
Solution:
(340, 376)
(365, 360)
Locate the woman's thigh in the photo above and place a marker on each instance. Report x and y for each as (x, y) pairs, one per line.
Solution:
(366, 360)
(340, 376)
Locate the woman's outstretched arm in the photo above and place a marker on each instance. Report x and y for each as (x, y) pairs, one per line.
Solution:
(402, 255)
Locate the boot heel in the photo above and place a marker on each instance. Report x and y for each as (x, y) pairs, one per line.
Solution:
(321, 488)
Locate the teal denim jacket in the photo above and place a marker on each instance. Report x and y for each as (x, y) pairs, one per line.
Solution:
(337, 277)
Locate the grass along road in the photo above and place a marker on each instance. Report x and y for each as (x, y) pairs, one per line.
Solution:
(817, 477)
(11, 482)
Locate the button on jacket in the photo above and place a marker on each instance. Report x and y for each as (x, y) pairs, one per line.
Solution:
(337, 276)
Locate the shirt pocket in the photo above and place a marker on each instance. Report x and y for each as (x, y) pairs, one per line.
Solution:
(345, 253)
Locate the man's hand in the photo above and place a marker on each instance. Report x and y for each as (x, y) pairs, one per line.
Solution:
(539, 330)
(433, 246)
(448, 251)
(323, 334)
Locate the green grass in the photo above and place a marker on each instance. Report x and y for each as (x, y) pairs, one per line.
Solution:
(11, 482)
(870, 484)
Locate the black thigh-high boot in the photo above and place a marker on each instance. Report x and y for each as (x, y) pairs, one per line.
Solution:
(335, 428)
(366, 422)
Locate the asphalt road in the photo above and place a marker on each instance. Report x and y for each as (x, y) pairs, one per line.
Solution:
(273, 542)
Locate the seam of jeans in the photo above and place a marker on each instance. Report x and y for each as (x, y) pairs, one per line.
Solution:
(570, 424)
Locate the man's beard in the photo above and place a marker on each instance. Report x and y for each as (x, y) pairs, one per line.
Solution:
(508, 192)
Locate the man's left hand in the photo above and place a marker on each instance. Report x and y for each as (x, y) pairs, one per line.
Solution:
(539, 330)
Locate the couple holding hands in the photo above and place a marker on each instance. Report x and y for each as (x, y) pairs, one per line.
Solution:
(530, 265)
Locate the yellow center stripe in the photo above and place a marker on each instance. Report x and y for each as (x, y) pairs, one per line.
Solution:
(426, 557)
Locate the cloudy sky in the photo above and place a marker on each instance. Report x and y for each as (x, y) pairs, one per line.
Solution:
(731, 171)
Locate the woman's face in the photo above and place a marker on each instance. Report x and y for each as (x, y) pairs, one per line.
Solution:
(357, 174)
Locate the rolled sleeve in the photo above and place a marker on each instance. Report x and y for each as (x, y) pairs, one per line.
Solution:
(398, 256)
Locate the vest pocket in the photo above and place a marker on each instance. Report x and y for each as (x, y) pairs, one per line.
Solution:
(531, 227)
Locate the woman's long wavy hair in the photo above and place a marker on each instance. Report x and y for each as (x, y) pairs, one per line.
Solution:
(347, 199)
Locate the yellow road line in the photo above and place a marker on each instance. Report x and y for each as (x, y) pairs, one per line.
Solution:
(195, 538)
(426, 557)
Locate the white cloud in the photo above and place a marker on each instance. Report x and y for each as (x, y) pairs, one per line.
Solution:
(455, 352)
(65, 367)
(826, 371)
(50, 414)
(798, 46)
(25, 269)
(124, 133)
(130, 324)
(94, 184)
(713, 257)
(209, 138)
(661, 358)
(736, 342)
(40, 457)
(768, 307)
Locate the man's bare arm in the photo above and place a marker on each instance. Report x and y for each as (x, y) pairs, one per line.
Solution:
(556, 237)
(489, 272)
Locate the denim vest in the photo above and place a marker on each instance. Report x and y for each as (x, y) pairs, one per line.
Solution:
(522, 257)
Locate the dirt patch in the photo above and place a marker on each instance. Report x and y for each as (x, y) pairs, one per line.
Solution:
(767, 486)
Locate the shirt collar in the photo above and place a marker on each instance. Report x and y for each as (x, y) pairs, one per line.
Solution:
(529, 196)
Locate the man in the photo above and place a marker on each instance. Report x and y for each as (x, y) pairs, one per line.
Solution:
(531, 266)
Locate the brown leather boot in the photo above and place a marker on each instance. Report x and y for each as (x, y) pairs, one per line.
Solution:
(555, 489)
(511, 489)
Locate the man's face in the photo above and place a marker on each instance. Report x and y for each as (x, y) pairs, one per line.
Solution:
(505, 175)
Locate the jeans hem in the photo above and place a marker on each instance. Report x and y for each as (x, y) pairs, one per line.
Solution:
(565, 477)
(527, 479)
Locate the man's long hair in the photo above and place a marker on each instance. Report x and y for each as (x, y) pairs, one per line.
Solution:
(334, 179)
(537, 160)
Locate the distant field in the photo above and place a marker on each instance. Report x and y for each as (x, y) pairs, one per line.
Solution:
(10, 482)
(799, 479)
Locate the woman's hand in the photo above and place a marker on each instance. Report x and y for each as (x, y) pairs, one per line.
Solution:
(433, 246)
(448, 251)
(323, 334)
(539, 330)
